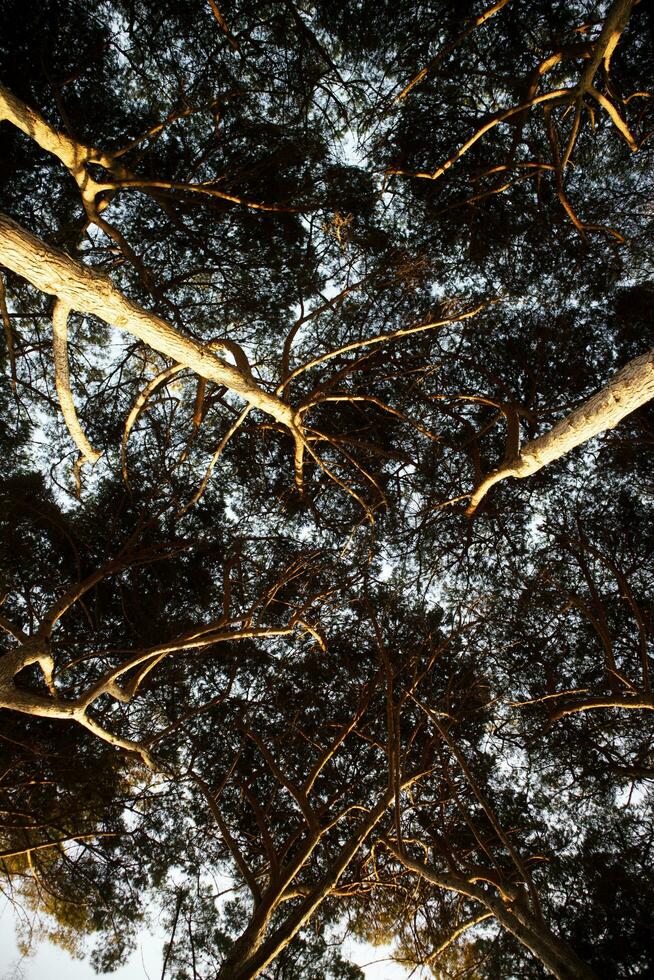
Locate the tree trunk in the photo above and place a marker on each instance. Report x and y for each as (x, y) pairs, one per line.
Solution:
(248, 960)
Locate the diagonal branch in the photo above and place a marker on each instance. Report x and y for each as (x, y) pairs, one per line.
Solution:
(630, 388)
(86, 289)
(215, 9)
(474, 24)
(382, 338)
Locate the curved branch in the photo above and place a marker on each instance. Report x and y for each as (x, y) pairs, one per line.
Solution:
(379, 339)
(236, 424)
(638, 702)
(138, 407)
(498, 117)
(62, 383)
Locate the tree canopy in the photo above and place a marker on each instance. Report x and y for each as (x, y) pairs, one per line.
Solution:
(327, 553)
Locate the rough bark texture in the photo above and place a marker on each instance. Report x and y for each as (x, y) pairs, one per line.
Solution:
(631, 387)
(614, 25)
(89, 291)
(72, 154)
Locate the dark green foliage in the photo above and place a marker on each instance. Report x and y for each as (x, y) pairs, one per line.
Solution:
(367, 645)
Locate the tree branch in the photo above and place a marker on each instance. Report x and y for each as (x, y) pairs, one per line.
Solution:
(85, 289)
(630, 388)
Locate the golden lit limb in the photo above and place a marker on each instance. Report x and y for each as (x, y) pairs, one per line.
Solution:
(193, 641)
(603, 48)
(33, 651)
(118, 742)
(574, 133)
(199, 406)
(223, 24)
(300, 444)
(455, 935)
(74, 155)
(312, 631)
(320, 399)
(154, 131)
(638, 95)
(477, 22)
(206, 189)
(549, 697)
(500, 168)
(630, 388)
(138, 407)
(581, 226)
(615, 116)
(530, 930)
(495, 120)
(5, 855)
(378, 339)
(334, 441)
(77, 156)
(60, 315)
(234, 427)
(642, 702)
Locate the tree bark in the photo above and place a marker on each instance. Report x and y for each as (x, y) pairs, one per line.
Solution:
(630, 388)
(89, 291)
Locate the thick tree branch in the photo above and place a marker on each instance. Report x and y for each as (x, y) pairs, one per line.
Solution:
(554, 953)
(631, 387)
(89, 291)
